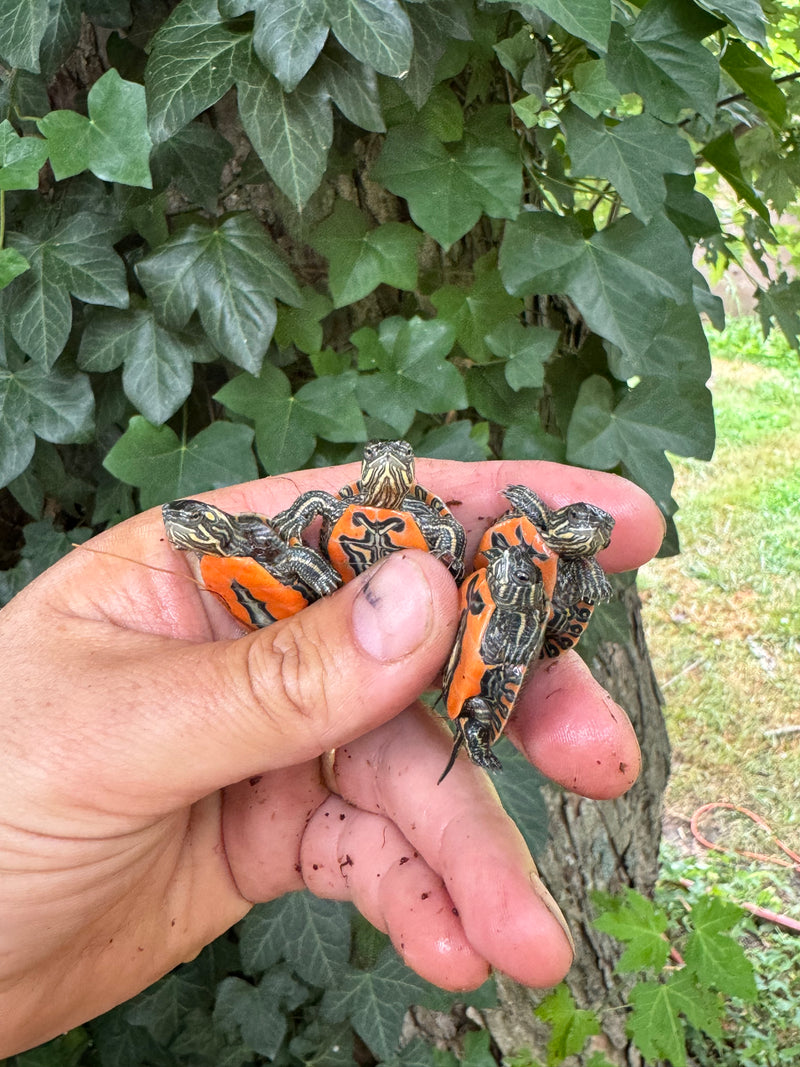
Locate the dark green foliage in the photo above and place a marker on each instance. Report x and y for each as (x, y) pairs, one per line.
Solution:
(468, 224)
(568, 146)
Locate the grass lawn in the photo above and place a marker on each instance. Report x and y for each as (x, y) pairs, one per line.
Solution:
(723, 618)
(723, 625)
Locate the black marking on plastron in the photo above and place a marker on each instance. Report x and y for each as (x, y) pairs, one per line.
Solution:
(362, 552)
(256, 609)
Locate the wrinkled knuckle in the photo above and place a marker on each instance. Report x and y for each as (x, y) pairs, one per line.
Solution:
(288, 675)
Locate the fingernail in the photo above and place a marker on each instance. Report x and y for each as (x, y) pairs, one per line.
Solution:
(393, 611)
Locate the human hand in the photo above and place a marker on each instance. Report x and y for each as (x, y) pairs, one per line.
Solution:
(163, 772)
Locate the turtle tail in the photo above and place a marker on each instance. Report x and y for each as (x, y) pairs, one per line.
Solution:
(459, 741)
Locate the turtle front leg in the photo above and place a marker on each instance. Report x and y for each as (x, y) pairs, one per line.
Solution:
(311, 569)
(582, 579)
(528, 503)
(580, 584)
(443, 533)
(291, 522)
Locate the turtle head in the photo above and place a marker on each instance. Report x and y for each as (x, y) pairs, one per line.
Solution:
(387, 473)
(514, 577)
(193, 525)
(579, 530)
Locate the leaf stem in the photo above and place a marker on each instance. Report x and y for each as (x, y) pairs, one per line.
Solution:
(2, 216)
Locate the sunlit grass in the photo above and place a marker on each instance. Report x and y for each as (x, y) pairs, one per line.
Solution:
(723, 618)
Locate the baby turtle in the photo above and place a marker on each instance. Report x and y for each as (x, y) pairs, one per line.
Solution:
(383, 512)
(260, 576)
(504, 610)
(557, 547)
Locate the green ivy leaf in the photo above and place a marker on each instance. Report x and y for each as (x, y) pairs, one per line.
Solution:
(61, 35)
(288, 35)
(12, 264)
(291, 132)
(571, 1025)
(161, 1009)
(476, 311)
(588, 19)
(325, 1044)
(492, 397)
(193, 159)
(436, 24)
(23, 24)
(252, 1013)
(657, 415)
(194, 58)
(376, 1001)
(526, 348)
(593, 92)
(516, 52)
(746, 15)
(285, 435)
(44, 546)
(301, 325)
(352, 86)
(311, 934)
(112, 142)
(37, 402)
(662, 58)
(678, 350)
(118, 1044)
(230, 273)
(412, 371)
(454, 440)
(723, 156)
(532, 442)
(620, 278)
(689, 210)
(638, 923)
(17, 439)
(778, 305)
(449, 187)
(752, 74)
(715, 959)
(21, 159)
(67, 254)
(158, 362)
(377, 32)
(361, 259)
(163, 468)
(634, 154)
(655, 1022)
(287, 425)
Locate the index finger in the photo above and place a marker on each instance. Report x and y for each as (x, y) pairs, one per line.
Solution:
(473, 491)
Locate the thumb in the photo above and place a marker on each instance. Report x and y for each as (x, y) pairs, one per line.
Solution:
(222, 712)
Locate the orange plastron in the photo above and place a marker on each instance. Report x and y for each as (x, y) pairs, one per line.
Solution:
(466, 675)
(363, 535)
(253, 596)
